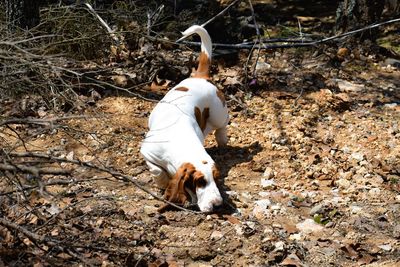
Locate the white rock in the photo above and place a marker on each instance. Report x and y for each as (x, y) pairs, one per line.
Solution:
(267, 183)
(398, 198)
(261, 208)
(374, 191)
(276, 207)
(238, 229)
(357, 156)
(279, 246)
(295, 237)
(216, 235)
(355, 209)
(346, 86)
(70, 155)
(343, 183)
(268, 173)
(385, 247)
(263, 203)
(309, 226)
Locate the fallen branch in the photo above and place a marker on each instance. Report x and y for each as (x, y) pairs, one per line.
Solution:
(39, 239)
(291, 43)
(115, 174)
(34, 170)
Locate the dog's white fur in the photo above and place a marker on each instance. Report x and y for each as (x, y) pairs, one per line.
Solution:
(175, 136)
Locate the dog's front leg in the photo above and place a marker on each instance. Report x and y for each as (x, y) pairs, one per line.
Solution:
(221, 137)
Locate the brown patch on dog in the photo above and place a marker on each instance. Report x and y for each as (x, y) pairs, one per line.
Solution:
(202, 117)
(182, 89)
(203, 68)
(221, 97)
(186, 177)
(215, 172)
(197, 114)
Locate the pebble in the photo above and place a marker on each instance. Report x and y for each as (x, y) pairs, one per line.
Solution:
(295, 237)
(374, 191)
(385, 247)
(268, 173)
(216, 235)
(317, 209)
(267, 183)
(357, 156)
(261, 208)
(279, 246)
(355, 209)
(309, 226)
(398, 198)
(343, 183)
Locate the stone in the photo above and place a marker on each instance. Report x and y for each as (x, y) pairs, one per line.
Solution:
(358, 156)
(318, 209)
(268, 173)
(343, 183)
(216, 235)
(309, 226)
(267, 183)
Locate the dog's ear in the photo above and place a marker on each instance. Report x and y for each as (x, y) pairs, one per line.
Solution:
(185, 177)
(215, 172)
(175, 191)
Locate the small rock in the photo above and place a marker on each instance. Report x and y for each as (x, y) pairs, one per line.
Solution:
(355, 209)
(268, 173)
(396, 231)
(329, 224)
(216, 235)
(358, 156)
(374, 191)
(70, 155)
(267, 183)
(295, 237)
(276, 207)
(239, 229)
(309, 226)
(318, 209)
(150, 210)
(385, 247)
(346, 86)
(398, 198)
(343, 183)
(279, 246)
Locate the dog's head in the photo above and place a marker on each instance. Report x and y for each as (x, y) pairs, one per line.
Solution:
(190, 183)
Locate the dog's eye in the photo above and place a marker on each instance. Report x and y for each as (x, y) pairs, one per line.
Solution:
(201, 182)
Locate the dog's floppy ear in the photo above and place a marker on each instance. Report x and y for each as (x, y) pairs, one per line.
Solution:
(185, 177)
(175, 191)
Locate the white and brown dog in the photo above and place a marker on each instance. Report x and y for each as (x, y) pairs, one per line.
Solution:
(173, 147)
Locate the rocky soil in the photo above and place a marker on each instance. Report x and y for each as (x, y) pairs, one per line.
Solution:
(310, 176)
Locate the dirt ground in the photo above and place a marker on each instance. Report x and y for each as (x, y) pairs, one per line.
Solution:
(310, 176)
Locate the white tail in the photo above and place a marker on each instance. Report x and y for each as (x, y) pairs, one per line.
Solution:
(206, 50)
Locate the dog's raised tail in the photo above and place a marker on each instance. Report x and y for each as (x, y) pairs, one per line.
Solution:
(203, 69)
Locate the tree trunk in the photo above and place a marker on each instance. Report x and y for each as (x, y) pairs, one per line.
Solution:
(353, 14)
(22, 14)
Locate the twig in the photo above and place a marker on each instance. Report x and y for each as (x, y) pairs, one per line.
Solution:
(39, 239)
(108, 28)
(34, 170)
(115, 174)
(292, 43)
(259, 41)
(53, 182)
(32, 236)
(220, 13)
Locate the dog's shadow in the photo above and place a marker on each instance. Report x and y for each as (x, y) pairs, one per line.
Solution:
(227, 158)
